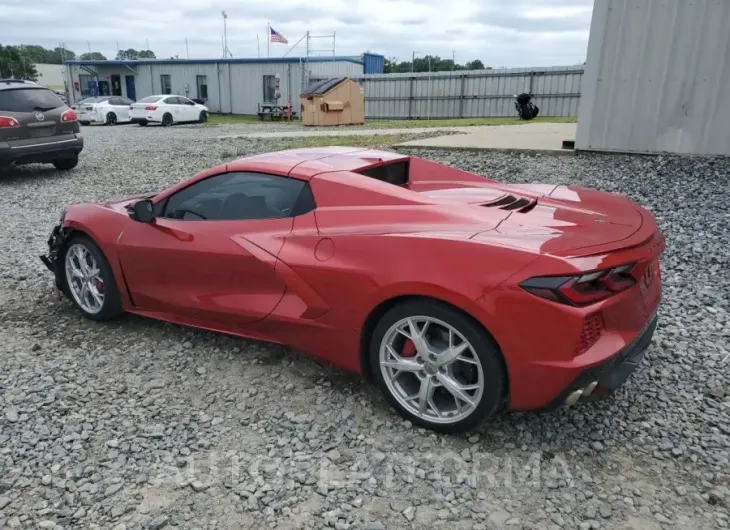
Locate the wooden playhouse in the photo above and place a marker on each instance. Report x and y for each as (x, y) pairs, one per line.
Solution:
(337, 101)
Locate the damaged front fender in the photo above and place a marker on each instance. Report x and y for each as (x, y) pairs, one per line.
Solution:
(56, 240)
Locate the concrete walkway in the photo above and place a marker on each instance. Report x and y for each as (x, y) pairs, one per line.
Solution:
(541, 137)
(345, 131)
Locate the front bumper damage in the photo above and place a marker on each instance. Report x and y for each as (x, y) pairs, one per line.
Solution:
(52, 260)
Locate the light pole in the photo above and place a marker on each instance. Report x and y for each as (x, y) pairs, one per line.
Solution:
(225, 35)
(413, 62)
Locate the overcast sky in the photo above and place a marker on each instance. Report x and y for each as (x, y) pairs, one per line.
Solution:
(512, 33)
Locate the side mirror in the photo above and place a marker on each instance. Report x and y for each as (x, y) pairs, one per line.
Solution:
(143, 211)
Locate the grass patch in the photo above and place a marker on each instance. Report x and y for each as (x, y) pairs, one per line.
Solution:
(234, 119)
(373, 140)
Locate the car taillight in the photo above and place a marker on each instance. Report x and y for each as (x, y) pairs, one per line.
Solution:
(131, 107)
(582, 289)
(151, 107)
(69, 115)
(7, 121)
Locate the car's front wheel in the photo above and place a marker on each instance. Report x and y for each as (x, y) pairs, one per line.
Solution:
(167, 120)
(111, 119)
(438, 367)
(64, 164)
(89, 280)
(203, 117)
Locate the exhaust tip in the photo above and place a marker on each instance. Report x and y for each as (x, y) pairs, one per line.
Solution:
(573, 397)
(587, 391)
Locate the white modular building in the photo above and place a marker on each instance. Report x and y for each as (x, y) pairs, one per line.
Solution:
(230, 86)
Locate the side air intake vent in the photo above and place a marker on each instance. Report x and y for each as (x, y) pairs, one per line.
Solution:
(510, 202)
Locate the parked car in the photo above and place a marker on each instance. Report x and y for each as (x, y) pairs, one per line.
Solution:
(458, 295)
(108, 110)
(36, 127)
(62, 96)
(167, 110)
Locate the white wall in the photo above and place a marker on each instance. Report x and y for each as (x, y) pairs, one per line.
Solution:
(50, 75)
(657, 78)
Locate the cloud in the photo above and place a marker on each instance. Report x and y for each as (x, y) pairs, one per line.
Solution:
(499, 32)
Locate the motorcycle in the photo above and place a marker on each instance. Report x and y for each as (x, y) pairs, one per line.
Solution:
(526, 109)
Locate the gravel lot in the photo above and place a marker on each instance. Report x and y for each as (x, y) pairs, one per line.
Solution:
(139, 424)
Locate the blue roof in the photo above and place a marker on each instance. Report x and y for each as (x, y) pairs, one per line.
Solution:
(259, 60)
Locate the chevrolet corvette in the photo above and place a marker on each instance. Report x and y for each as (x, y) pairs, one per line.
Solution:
(457, 295)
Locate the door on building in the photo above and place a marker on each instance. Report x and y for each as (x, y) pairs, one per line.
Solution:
(131, 93)
(116, 85)
(202, 82)
(104, 88)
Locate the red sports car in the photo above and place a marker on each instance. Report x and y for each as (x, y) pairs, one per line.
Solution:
(458, 295)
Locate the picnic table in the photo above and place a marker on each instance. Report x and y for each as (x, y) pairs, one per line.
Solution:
(274, 111)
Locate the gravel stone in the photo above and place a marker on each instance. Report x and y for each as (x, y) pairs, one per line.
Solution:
(141, 410)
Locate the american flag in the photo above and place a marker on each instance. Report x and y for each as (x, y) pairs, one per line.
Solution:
(277, 37)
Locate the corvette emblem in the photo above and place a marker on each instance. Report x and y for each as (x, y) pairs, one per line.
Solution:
(40, 116)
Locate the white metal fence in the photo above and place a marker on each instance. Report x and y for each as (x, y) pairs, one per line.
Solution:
(470, 94)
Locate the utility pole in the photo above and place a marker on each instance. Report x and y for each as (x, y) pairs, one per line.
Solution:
(268, 38)
(148, 44)
(453, 60)
(225, 34)
(187, 51)
(413, 62)
(89, 45)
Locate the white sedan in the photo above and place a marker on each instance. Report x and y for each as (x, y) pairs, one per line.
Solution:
(167, 110)
(103, 109)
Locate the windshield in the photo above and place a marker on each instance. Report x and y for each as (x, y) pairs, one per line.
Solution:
(150, 99)
(97, 99)
(28, 99)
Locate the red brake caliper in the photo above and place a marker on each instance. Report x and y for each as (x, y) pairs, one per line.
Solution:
(408, 349)
(99, 285)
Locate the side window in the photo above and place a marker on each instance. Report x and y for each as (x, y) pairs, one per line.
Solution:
(240, 196)
(126, 101)
(172, 101)
(184, 101)
(115, 101)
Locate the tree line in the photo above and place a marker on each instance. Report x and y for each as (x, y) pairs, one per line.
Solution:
(19, 61)
(432, 63)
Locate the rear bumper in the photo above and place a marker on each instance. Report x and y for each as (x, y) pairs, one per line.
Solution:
(44, 151)
(601, 380)
(144, 120)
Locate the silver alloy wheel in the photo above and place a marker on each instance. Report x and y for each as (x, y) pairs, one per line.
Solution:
(84, 280)
(431, 369)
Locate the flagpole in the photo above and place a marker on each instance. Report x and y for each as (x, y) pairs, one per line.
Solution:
(268, 38)
(258, 46)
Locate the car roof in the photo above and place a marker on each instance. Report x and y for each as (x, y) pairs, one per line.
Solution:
(305, 163)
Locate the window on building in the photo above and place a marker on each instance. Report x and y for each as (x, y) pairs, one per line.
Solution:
(165, 84)
(269, 88)
(202, 82)
(84, 84)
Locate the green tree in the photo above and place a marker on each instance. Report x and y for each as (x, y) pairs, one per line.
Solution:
(131, 54)
(58, 55)
(37, 54)
(14, 64)
(93, 56)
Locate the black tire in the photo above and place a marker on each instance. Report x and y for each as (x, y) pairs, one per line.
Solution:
(85, 122)
(485, 349)
(64, 164)
(203, 117)
(167, 120)
(111, 119)
(112, 305)
(143, 124)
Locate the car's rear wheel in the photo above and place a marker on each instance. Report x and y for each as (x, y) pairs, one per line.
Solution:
(438, 367)
(167, 120)
(111, 119)
(89, 280)
(203, 117)
(64, 164)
